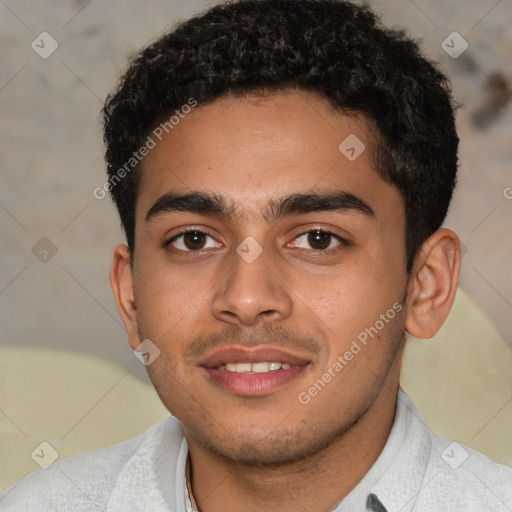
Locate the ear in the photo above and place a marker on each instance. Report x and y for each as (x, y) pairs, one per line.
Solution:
(433, 284)
(121, 281)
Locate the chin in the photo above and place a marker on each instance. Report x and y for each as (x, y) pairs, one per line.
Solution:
(274, 449)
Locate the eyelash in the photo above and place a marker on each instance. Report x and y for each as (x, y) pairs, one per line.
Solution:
(190, 253)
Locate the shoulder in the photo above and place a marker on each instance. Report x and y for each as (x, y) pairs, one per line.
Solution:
(466, 479)
(86, 481)
(442, 474)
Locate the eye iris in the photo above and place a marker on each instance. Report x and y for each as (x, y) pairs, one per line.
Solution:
(194, 240)
(319, 239)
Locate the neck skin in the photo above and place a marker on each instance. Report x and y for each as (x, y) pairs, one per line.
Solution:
(317, 483)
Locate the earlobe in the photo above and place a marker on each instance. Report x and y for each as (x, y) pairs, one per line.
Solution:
(433, 284)
(121, 281)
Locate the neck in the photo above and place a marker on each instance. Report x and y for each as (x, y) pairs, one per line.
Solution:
(220, 485)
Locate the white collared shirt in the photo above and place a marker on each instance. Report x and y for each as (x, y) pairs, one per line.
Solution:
(416, 471)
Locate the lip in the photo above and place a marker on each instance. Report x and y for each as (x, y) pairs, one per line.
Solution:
(251, 355)
(257, 384)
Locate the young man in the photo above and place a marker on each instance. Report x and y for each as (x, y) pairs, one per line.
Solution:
(282, 169)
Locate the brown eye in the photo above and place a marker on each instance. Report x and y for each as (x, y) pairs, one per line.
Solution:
(319, 240)
(192, 240)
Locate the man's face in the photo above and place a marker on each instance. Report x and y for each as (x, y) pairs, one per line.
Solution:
(269, 279)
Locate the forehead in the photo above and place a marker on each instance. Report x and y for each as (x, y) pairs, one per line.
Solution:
(252, 149)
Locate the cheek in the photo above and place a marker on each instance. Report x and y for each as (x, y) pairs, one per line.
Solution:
(173, 292)
(350, 300)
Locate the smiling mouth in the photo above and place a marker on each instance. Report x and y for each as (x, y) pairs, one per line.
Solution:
(254, 368)
(253, 371)
(252, 379)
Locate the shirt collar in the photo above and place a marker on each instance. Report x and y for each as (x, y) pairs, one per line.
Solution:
(190, 502)
(399, 487)
(396, 477)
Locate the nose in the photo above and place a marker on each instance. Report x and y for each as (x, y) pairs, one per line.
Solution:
(252, 292)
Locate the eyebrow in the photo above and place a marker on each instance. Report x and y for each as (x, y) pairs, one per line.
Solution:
(297, 203)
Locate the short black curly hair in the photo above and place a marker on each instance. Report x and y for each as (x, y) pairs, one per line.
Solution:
(333, 48)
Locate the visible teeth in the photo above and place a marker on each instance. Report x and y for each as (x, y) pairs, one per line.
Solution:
(243, 367)
(260, 367)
